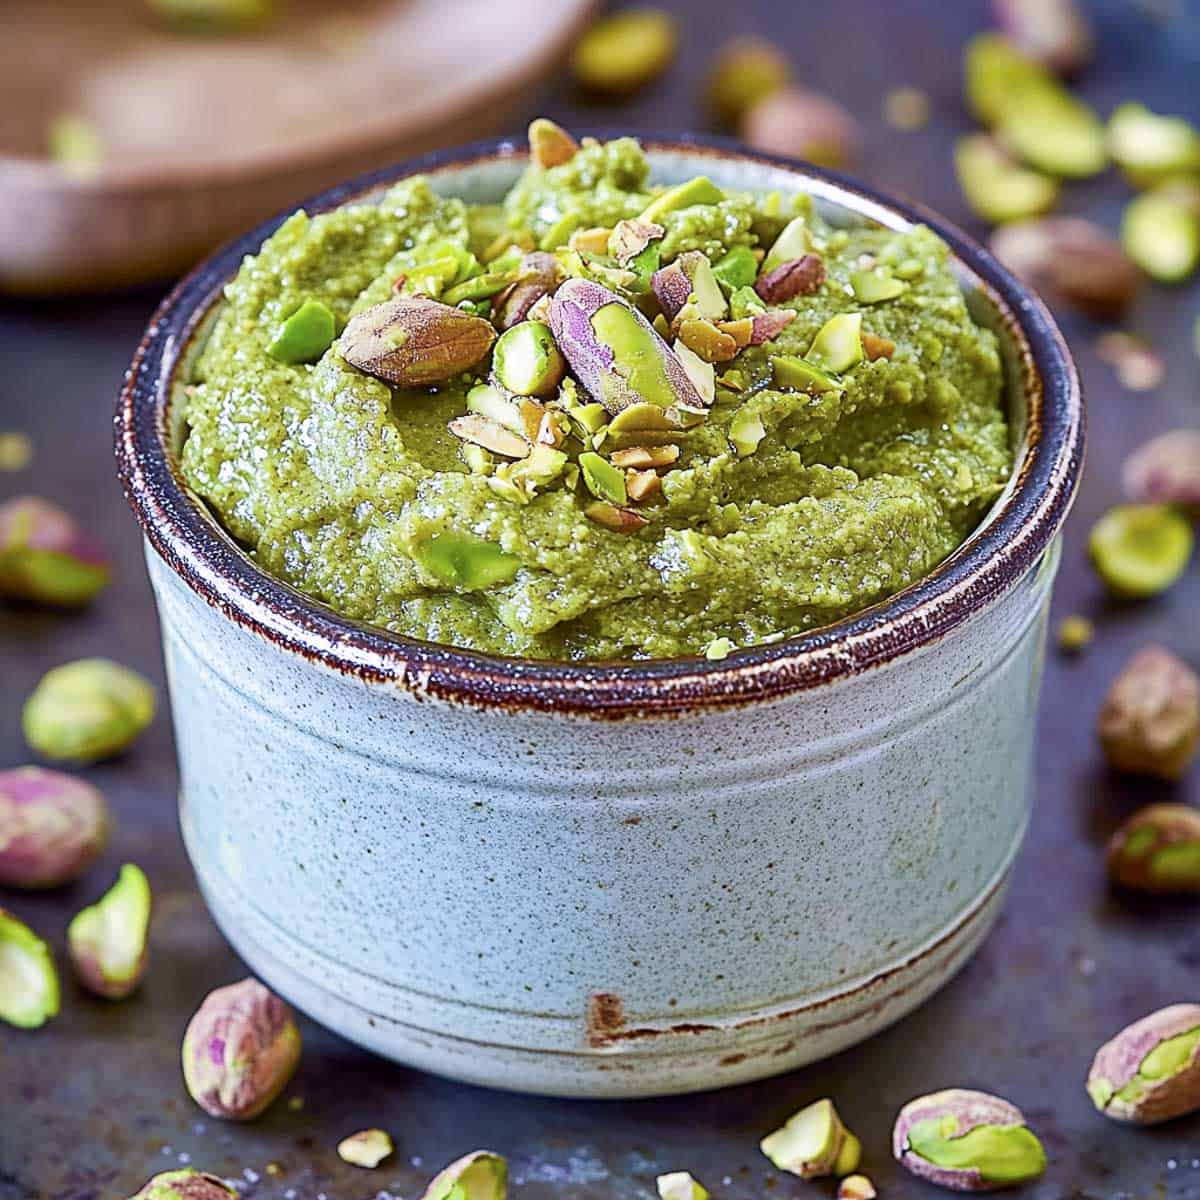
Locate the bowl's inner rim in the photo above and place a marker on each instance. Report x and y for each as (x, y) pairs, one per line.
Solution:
(392, 653)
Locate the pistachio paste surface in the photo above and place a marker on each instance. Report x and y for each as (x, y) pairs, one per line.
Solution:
(712, 417)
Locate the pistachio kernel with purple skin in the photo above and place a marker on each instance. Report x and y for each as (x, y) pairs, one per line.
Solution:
(1165, 470)
(108, 940)
(185, 1184)
(52, 827)
(45, 557)
(688, 288)
(239, 1051)
(967, 1141)
(797, 277)
(538, 275)
(480, 1175)
(1158, 850)
(1150, 1072)
(614, 351)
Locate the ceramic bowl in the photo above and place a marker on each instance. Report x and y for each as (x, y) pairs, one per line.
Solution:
(608, 879)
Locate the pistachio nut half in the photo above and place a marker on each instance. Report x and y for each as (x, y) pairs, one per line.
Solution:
(480, 1175)
(108, 941)
(367, 1148)
(995, 185)
(1140, 550)
(52, 827)
(622, 53)
(1157, 850)
(813, 1142)
(1150, 1072)
(29, 992)
(45, 556)
(185, 1184)
(680, 1185)
(967, 1141)
(239, 1051)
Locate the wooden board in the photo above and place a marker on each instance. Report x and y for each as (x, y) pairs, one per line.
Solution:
(203, 134)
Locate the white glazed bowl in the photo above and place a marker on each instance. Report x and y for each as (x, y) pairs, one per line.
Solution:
(608, 879)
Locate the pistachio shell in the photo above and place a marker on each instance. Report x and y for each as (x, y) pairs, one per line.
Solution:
(29, 992)
(410, 341)
(1150, 1072)
(185, 1184)
(240, 1049)
(631, 238)
(45, 557)
(52, 827)
(108, 941)
(1158, 850)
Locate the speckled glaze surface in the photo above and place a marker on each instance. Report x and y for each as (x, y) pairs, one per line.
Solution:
(609, 880)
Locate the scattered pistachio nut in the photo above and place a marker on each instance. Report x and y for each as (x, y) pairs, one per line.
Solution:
(109, 940)
(1160, 231)
(1165, 470)
(614, 351)
(483, 431)
(838, 344)
(1070, 261)
(367, 1148)
(550, 145)
(799, 277)
(480, 1175)
(1150, 1072)
(856, 1187)
(967, 1141)
(680, 1185)
(45, 556)
(16, 450)
(240, 1049)
(1149, 148)
(186, 1183)
(87, 710)
(1150, 721)
(1137, 365)
(813, 1142)
(802, 124)
(907, 109)
(411, 341)
(215, 15)
(995, 185)
(640, 486)
(1054, 132)
(799, 375)
(52, 827)
(614, 517)
(1075, 633)
(538, 274)
(745, 71)
(688, 288)
(1140, 550)
(29, 991)
(1055, 33)
(996, 74)
(708, 341)
(697, 190)
(526, 360)
(305, 335)
(602, 479)
(620, 54)
(1158, 850)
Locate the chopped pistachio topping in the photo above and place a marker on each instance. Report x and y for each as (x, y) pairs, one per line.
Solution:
(305, 335)
(461, 561)
(367, 1148)
(838, 344)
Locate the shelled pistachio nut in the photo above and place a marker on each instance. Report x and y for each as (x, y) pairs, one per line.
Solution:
(1157, 850)
(109, 940)
(29, 991)
(480, 1175)
(813, 1142)
(185, 1184)
(46, 557)
(1165, 470)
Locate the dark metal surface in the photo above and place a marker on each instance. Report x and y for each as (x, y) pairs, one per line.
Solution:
(93, 1104)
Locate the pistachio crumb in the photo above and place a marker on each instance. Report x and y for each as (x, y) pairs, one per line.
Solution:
(907, 108)
(1075, 633)
(16, 451)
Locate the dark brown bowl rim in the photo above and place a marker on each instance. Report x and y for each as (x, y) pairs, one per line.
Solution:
(987, 565)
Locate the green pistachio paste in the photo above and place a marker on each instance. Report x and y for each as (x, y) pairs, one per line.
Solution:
(790, 496)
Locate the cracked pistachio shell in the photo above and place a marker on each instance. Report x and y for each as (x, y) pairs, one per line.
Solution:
(28, 979)
(1140, 550)
(411, 341)
(480, 1175)
(52, 827)
(810, 1144)
(680, 1185)
(1150, 721)
(1055, 33)
(45, 557)
(614, 351)
(87, 710)
(1165, 470)
(367, 1148)
(1158, 850)
(995, 185)
(185, 1184)
(240, 1049)
(1150, 1072)
(526, 360)
(108, 941)
(967, 1141)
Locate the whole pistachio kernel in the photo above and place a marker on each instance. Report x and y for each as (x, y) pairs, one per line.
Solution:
(1150, 148)
(240, 1049)
(527, 361)
(87, 710)
(367, 1148)
(1160, 231)
(305, 335)
(995, 185)
(185, 1184)
(745, 71)
(480, 1175)
(108, 941)
(621, 54)
(45, 557)
(802, 124)
(1158, 850)
(1150, 1072)
(29, 991)
(52, 827)
(813, 1143)
(967, 1141)
(1140, 550)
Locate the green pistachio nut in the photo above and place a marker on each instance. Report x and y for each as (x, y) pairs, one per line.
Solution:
(305, 335)
(967, 1141)
(735, 269)
(1166, 470)
(526, 360)
(520, 481)
(45, 557)
(367, 1148)
(687, 289)
(746, 70)
(239, 1051)
(798, 375)
(550, 145)
(699, 190)
(465, 562)
(1055, 132)
(746, 302)
(214, 15)
(1140, 550)
(838, 344)
(602, 479)
(52, 827)
(1150, 1072)
(480, 1175)
(621, 54)
(719, 649)
(1160, 231)
(996, 74)
(1158, 848)
(794, 241)
(812, 1143)
(680, 1185)
(1150, 148)
(87, 710)
(746, 431)
(876, 286)
(28, 979)
(109, 940)
(996, 186)
(185, 1184)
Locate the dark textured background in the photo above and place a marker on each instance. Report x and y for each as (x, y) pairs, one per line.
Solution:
(93, 1104)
